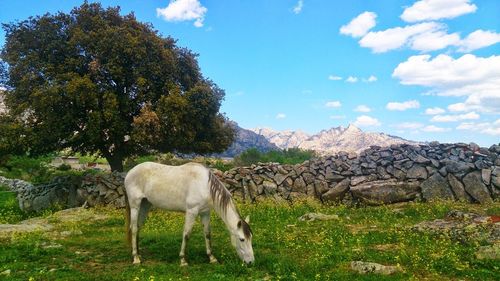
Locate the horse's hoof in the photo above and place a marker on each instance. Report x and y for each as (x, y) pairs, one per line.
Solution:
(184, 263)
(137, 260)
(213, 259)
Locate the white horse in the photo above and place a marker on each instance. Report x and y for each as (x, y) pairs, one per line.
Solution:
(190, 188)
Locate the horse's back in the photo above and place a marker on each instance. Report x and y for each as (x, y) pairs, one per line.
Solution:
(169, 187)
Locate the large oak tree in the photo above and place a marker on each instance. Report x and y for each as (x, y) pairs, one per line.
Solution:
(95, 81)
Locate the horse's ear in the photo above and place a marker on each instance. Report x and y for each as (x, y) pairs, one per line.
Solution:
(247, 219)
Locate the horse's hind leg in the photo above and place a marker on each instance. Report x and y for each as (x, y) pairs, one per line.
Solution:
(205, 220)
(134, 227)
(188, 226)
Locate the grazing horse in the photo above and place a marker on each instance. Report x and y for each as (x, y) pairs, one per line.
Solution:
(190, 188)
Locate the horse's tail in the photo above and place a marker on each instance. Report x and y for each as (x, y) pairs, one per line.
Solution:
(127, 220)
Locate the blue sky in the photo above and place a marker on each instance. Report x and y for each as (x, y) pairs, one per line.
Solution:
(423, 70)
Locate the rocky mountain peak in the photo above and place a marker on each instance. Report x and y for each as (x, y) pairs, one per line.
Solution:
(351, 139)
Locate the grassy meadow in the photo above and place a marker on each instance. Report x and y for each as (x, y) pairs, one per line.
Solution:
(285, 248)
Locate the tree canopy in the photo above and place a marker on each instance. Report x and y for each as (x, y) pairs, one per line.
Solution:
(95, 81)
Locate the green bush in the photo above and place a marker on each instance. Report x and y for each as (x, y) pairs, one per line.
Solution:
(287, 156)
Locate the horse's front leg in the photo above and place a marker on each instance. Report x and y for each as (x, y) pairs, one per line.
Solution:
(205, 220)
(188, 226)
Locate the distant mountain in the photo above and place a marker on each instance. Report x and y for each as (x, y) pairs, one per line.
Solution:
(283, 139)
(330, 141)
(246, 139)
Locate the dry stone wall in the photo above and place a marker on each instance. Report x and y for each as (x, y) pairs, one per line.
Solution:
(378, 175)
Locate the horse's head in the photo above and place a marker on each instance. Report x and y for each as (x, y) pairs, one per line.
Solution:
(242, 241)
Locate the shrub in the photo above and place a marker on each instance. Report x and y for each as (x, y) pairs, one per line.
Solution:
(287, 156)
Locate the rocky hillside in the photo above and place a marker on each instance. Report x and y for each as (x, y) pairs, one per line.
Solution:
(326, 142)
(246, 139)
(283, 139)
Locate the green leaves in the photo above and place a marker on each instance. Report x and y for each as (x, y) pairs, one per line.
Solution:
(95, 81)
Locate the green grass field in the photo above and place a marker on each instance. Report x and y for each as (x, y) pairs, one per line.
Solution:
(285, 248)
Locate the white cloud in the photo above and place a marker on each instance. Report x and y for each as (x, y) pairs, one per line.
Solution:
(366, 121)
(484, 128)
(401, 106)
(362, 108)
(434, 40)
(334, 77)
(456, 107)
(478, 39)
(360, 25)
(396, 37)
(333, 104)
(281, 116)
(352, 79)
(372, 78)
(336, 117)
(409, 125)
(425, 10)
(455, 118)
(434, 129)
(298, 7)
(475, 78)
(434, 111)
(183, 10)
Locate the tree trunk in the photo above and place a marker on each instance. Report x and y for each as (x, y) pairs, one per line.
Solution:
(115, 162)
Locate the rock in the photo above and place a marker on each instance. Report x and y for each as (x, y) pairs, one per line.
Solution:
(486, 175)
(458, 189)
(495, 181)
(331, 176)
(435, 163)
(417, 172)
(279, 178)
(363, 267)
(458, 166)
(464, 227)
(308, 178)
(419, 159)
(358, 180)
(320, 187)
(475, 187)
(443, 171)
(385, 191)
(481, 164)
(318, 216)
(299, 185)
(269, 187)
(489, 252)
(337, 192)
(436, 187)
(5, 273)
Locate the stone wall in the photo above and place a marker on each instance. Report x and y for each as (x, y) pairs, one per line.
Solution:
(379, 175)
(69, 191)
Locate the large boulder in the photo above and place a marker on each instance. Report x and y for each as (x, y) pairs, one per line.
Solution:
(385, 191)
(475, 187)
(436, 187)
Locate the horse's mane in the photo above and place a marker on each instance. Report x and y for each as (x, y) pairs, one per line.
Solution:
(222, 201)
(220, 195)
